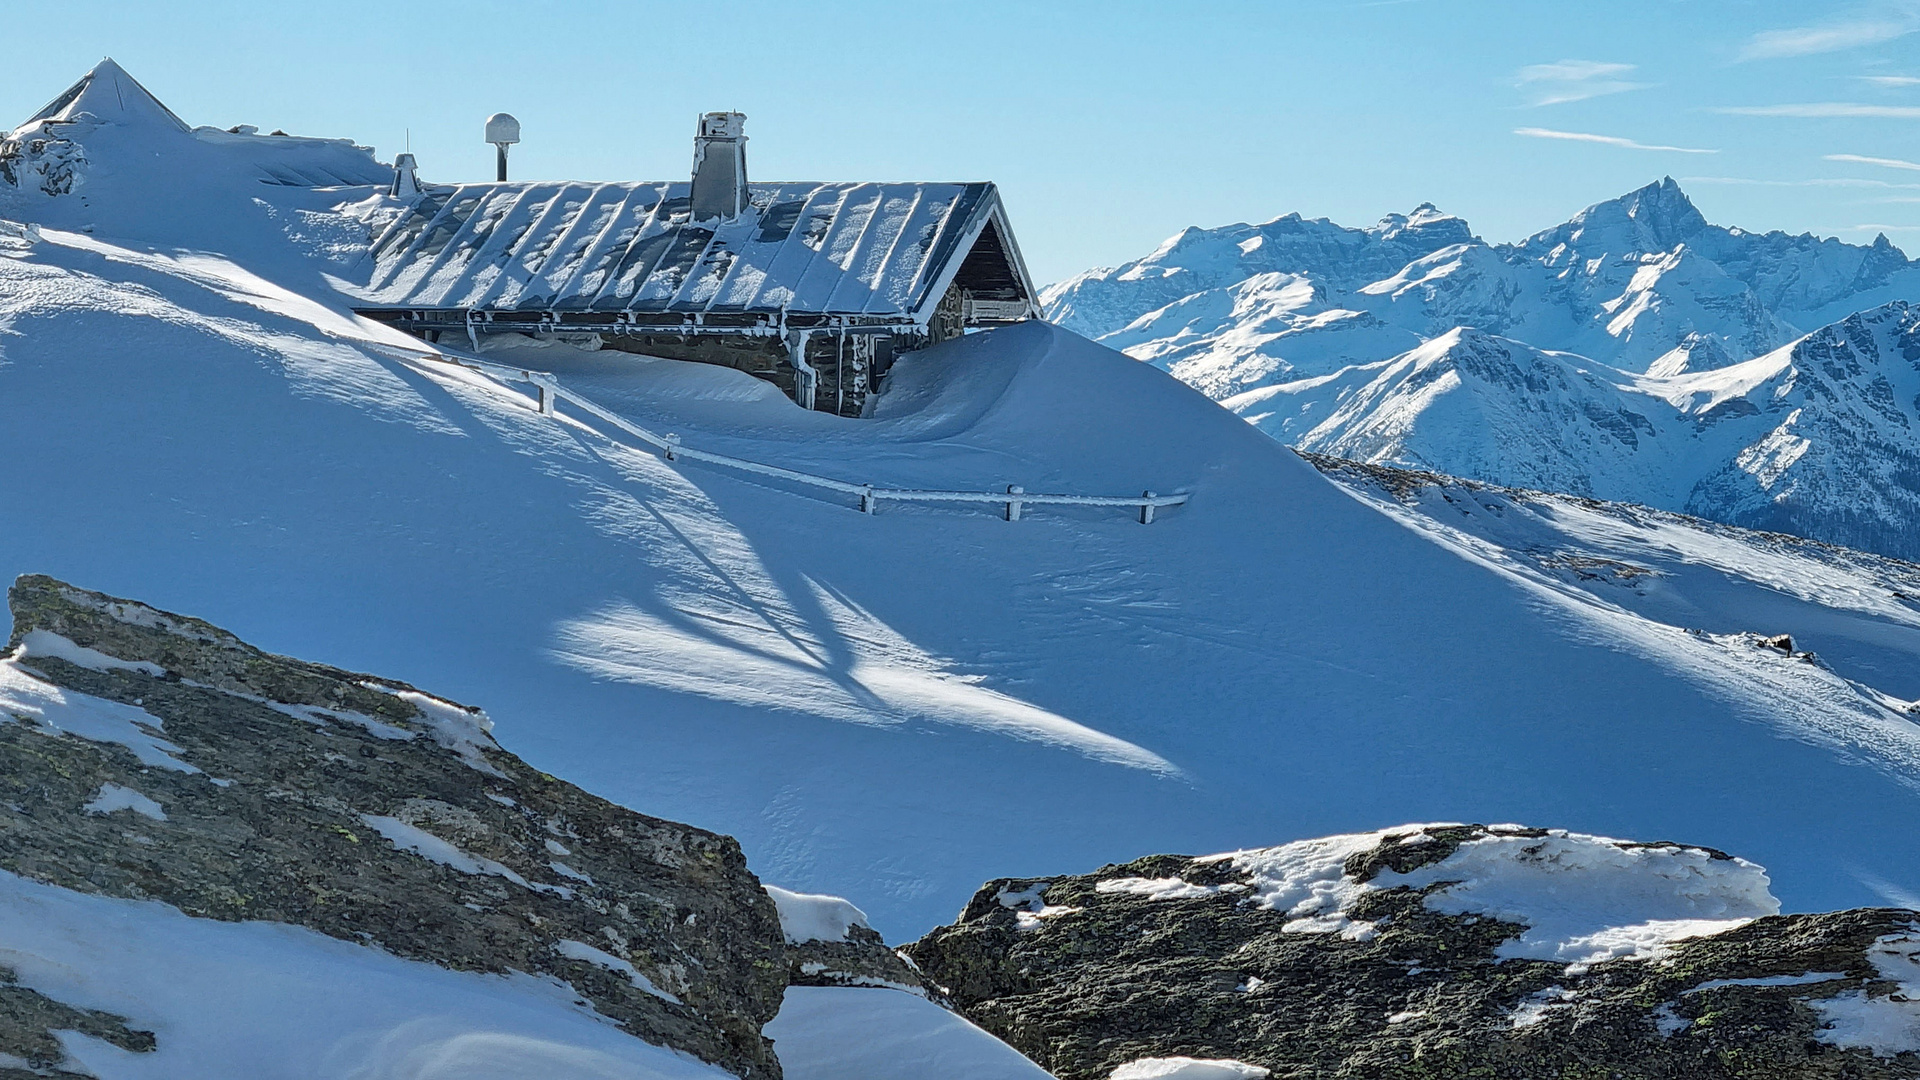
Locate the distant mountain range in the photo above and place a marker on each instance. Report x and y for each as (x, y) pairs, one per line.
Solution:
(1635, 353)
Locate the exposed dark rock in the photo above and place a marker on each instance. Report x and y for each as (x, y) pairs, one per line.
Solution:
(1082, 980)
(305, 772)
(862, 960)
(28, 1020)
(41, 156)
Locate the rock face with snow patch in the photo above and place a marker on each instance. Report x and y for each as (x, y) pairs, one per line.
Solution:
(1436, 951)
(830, 944)
(154, 756)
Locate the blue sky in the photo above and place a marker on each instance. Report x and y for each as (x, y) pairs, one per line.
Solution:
(1109, 125)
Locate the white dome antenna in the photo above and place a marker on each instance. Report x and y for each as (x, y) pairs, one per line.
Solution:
(503, 131)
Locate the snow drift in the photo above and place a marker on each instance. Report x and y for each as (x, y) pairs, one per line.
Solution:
(889, 708)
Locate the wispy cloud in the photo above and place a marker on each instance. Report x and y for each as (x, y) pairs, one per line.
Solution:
(1821, 110)
(1575, 80)
(1890, 163)
(1884, 228)
(1890, 80)
(1835, 181)
(1604, 140)
(1825, 38)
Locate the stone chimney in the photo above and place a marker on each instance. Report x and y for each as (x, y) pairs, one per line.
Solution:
(405, 183)
(719, 166)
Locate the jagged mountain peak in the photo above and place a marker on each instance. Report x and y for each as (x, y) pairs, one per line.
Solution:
(1854, 330)
(1659, 205)
(1427, 225)
(108, 93)
(1657, 217)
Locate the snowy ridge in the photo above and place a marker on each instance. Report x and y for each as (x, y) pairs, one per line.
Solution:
(1635, 352)
(1819, 438)
(1625, 282)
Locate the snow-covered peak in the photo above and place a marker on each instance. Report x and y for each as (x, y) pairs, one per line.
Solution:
(1426, 226)
(107, 158)
(109, 94)
(1818, 437)
(1655, 218)
(1194, 261)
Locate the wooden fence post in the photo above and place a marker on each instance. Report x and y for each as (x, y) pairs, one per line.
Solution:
(1013, 504)
(1146, 508)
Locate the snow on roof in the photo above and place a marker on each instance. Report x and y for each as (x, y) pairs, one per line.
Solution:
(108, 93)
(885, 249)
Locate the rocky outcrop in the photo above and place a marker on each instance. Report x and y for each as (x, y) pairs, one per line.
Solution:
(830, 944)
(863, 959)
(1436, 951)
(30, 1020)
(154, 756)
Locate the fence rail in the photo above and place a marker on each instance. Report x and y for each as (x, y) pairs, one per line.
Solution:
(549, 391)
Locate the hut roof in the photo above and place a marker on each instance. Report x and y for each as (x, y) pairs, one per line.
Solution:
(867, 249)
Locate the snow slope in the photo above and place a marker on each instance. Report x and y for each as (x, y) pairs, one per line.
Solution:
(267, 1001)
(891, 708)
(843, 1033)
(1853, 614)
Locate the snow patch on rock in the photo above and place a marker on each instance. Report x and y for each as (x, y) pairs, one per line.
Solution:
(47, 643)
(1186, 1068)
(112, 797)
(26, 696)
(1885, 1022)
(1582, 899)
(412, 838)
(580, 950)
(808, 917)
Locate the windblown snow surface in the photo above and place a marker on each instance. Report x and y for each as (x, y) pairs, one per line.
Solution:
(891, 708)
(894, 707)
(886, 708)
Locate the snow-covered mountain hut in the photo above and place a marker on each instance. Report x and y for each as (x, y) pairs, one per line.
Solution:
(813, 286)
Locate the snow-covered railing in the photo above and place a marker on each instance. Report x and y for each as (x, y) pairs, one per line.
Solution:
(1014, 500)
